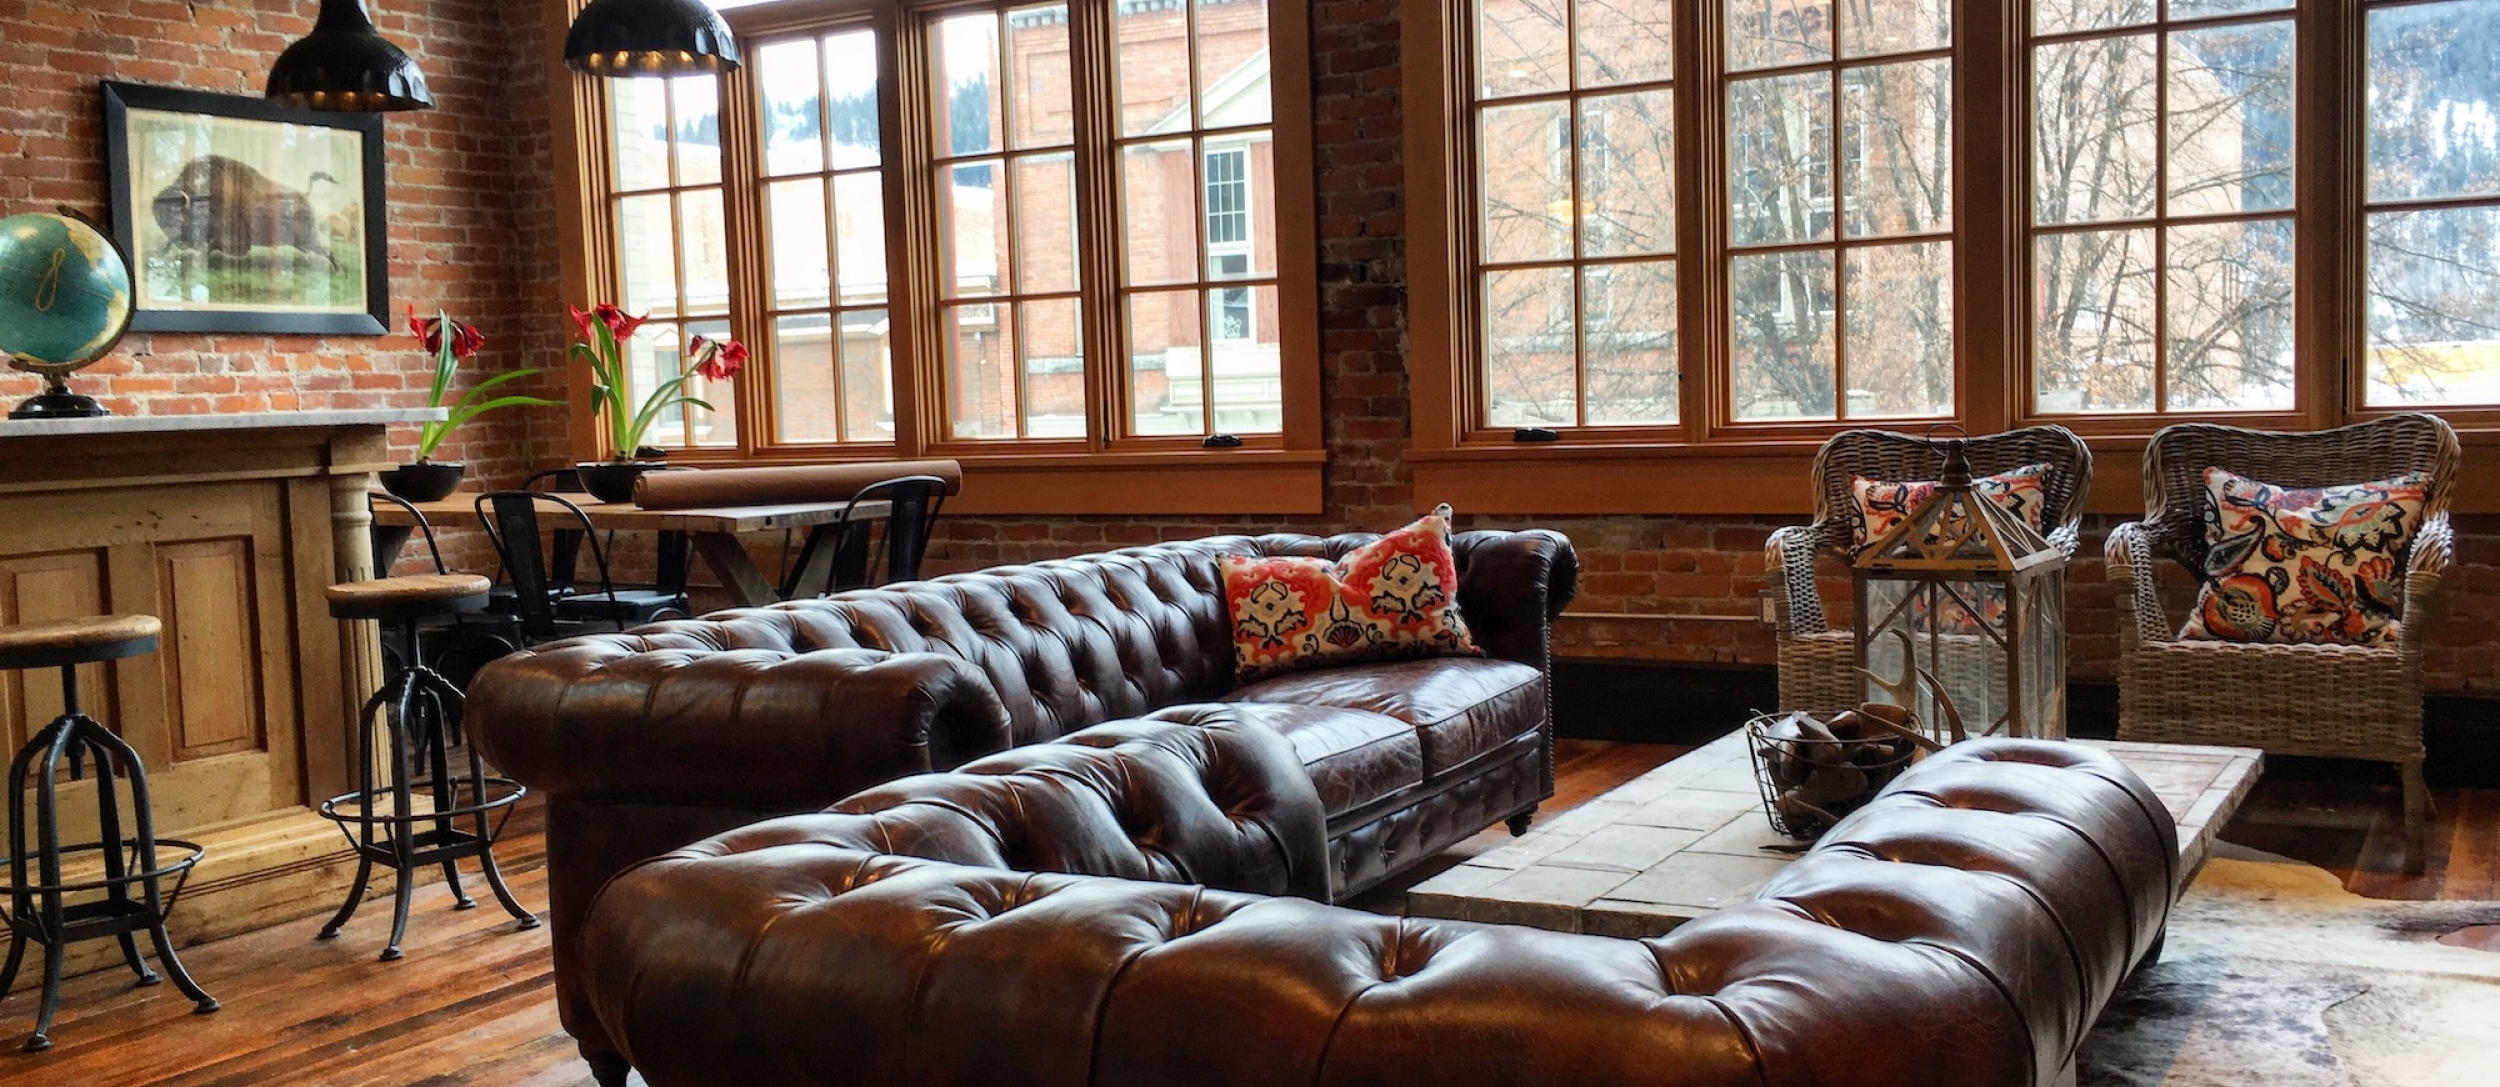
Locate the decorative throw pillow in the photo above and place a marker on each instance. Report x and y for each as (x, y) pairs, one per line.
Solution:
(1394, 597)
(2313, 565)
(1883, 504)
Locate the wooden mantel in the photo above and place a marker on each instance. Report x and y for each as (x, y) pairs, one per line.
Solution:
(227, 528)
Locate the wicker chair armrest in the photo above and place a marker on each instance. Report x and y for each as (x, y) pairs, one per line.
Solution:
(2130, 567)
(2432, 549)
(1797, 606)
(2069, 539)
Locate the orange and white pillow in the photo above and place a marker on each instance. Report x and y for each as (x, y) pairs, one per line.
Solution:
(1883, 504)
(1395, 597)
(2307, 565)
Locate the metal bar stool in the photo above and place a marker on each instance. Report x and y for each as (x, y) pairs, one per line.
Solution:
(415, 714)
(49, 908)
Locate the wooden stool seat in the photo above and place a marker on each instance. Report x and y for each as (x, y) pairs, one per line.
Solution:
(57, 642)
(409, 597)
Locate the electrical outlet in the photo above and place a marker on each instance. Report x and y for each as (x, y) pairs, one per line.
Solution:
(1770, 609)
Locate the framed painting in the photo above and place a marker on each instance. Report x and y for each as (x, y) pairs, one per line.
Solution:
(245, 215)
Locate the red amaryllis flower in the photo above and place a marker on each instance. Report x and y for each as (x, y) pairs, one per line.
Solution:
(619, 322)
(581, 322)
(465, 338)
(718, 360)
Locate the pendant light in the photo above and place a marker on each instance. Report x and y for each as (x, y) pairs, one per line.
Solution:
(345, 65)
(626, 38)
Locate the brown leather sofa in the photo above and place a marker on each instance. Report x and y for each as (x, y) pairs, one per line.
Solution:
(1964, 930)
(646, 741)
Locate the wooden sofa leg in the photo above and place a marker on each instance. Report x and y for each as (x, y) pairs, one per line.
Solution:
(1519, 823)
(2417, 802)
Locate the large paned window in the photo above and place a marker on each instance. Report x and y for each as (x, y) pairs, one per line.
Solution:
(2163, 205)
(2431, 203)
(1716, 231)
(823, 199)
(1839, 122)
(1069, 244)
(1574, 124)
(1196, 152)
(665, 220)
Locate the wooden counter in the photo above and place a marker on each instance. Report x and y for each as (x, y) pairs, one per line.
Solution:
(227, 528)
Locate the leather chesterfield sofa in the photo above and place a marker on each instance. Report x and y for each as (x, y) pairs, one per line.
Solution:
(646, 741)
(1050, 916)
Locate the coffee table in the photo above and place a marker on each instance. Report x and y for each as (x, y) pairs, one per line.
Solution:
(1689, 837)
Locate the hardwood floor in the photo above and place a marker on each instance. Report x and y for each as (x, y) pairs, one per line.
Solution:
(471, 1004)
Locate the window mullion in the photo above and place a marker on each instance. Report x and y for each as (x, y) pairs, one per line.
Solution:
(1093, 94)
(1701, 255)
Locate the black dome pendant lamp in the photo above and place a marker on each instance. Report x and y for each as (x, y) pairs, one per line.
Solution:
(345, 65)
(625, 38)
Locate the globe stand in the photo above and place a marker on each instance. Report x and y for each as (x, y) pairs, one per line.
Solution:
(57, 402)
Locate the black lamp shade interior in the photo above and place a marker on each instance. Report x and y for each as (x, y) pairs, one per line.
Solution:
(346, 65)
(625, 38)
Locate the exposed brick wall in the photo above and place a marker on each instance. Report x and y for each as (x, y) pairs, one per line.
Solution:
(471, 208)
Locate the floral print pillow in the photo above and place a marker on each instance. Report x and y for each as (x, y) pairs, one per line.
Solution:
(1394, 597)
(2307, 565)
(1883, 504)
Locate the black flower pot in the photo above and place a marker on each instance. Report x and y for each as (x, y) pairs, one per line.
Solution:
(612, 480)
(424, 481)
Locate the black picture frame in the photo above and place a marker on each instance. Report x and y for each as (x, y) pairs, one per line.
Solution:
(222, 224)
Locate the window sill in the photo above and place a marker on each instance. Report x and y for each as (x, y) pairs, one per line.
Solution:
(1162, 482)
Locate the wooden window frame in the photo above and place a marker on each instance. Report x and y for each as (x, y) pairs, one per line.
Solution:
(1103, 473)
(1706, 465)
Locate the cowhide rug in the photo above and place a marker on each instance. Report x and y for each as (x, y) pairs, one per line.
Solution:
(2275, 975)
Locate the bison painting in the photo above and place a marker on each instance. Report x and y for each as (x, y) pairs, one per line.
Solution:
(224, 209)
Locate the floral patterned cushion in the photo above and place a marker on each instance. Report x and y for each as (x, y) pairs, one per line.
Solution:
(1394, 597)
(1883, 504)
(2307, 565)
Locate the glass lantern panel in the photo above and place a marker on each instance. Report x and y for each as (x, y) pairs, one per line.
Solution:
(2043, 648)
(1954, 631)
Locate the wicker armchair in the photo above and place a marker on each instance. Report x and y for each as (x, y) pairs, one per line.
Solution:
(1818, 666)
(2355, 702)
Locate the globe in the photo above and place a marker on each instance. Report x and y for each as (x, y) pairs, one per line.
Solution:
(65, 299)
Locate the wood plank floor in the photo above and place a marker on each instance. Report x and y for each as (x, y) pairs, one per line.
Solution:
(471, 1004)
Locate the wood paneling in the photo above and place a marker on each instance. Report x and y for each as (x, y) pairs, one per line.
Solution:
(241, 715)
(213, 696)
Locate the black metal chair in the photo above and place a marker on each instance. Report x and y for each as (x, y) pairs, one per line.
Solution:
(546, 607)
(456, 645)
(862, 556)
(676, 553)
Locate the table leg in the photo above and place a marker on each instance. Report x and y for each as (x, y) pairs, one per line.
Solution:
(729, 561)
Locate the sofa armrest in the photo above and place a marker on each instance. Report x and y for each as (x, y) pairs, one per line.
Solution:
(645, 718)
(1510, 587)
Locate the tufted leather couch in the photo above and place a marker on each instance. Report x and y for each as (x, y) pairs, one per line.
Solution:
(1963, 930)
(646, 741)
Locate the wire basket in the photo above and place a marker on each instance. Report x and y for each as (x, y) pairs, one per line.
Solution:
(1811, 774)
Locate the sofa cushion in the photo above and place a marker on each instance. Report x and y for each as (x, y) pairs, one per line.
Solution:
(1354, 757)
(1460, 707)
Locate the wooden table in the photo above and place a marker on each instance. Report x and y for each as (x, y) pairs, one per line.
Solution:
(1689, 837)
(836, 552)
